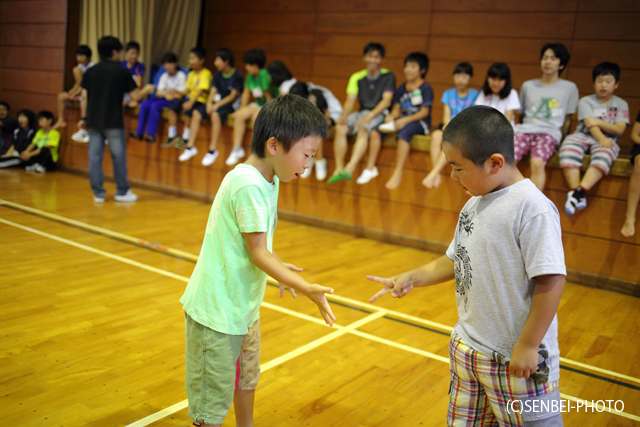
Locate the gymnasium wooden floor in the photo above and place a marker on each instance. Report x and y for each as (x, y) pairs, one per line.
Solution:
(91, 330)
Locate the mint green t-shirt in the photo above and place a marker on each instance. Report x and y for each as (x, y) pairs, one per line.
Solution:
(226, 289)
(258, 85)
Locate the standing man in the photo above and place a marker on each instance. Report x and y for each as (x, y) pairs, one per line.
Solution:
(103, 88)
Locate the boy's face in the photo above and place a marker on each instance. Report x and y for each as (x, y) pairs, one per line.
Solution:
(475, 180)
(605, 86)
(461, 80)
(44, 123)
(4, 112)
(132, 56)
(171, 67)
(550, 63)
(220, 64)
(252, 69)
(289, 166)
(82, 59)
(412, 71)
(373, 61)
(195, 62)
(23, 121)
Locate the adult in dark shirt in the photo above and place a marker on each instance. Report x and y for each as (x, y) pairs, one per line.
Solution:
(103, 87)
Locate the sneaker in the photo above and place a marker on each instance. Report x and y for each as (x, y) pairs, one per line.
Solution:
(236, 154)
(150, 138)
(170, 141)
(182, 143)
(574, 204)
(321, 169)
(39, 168)
(307, 172)
(387, 127)
(135, 136)
(188, 153)
(81, 136)
(98, 199)
(129, 197)
(367, 175)
(106, 141)
(31, 167)
(210, 157)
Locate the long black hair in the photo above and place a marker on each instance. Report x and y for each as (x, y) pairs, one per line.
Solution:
(498, 70)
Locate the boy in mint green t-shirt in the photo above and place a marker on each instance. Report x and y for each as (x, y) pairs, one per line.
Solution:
(223, 297)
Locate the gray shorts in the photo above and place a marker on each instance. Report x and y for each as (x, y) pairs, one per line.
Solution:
(354, 118)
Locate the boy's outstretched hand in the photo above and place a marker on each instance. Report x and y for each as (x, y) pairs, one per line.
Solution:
(282, 285)
(316, 293)
(398, 286)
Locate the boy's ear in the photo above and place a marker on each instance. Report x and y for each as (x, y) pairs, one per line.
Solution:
(272, 145)
(496, 163)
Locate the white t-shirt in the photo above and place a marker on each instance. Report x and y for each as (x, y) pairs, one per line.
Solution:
(84, 68)
(285, 86)
(511, 102)
(503, 241)
(333, 105)
(178, 81)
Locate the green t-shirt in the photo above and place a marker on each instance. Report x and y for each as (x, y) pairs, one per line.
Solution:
(226, 289)
(50, 139)
(259, 84)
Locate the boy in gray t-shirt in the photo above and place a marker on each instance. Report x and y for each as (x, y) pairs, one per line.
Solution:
(546, 106)
(508, 263)
(603, 118)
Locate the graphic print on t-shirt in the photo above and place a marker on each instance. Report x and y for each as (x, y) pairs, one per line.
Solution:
(548, 108)
(462, 265)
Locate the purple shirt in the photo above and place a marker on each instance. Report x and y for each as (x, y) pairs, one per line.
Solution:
(136, 70)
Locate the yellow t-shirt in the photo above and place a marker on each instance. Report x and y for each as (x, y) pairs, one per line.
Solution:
(199, 80)
(50, 139)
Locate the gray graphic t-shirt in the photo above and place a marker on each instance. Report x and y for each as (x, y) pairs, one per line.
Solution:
(546, 106)
(503, 241)
(615, 111)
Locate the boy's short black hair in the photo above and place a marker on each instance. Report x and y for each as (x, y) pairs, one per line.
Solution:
(85, 50)
(106, 46)
(300, 89)
(321, 101)
(419, 58)
(279, 73)
(288, 118)
(199, 52)
(560, 51)
(6, 104)
(479, 132)
(132, 45)
(45, 114)
(226, 55)
(498, 70)
(30, 115)
(255, 57)
(464, 68)
(606, 69)
(169, 58)
(374, 47)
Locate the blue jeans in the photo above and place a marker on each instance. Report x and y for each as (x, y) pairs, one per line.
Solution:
(118, 149)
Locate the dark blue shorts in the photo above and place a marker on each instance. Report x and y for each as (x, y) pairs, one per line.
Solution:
(224, 112)
(414, 128)
(635, 152)
(197, 106)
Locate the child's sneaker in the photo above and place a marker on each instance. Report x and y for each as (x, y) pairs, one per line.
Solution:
(135, 136)
(236, 154)
(367, 175)
(39, 168)
(170, 141)
(81, 136)
(188, 153)
(182, 143)
(574, 203)
(129, 197)
(150, 138)
(307, 172)
(387, 127)
(210, 157)
(321, 169)
(98, 199)
(31, 168)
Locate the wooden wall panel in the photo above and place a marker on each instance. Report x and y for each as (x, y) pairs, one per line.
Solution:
(32, 11)
(33, 35)
(507, 25)
(33, 58)
(353, 44)
(45, 82)
(414, 23)
(607, 26)
(506, 5)
(617, 5)
(374, 5)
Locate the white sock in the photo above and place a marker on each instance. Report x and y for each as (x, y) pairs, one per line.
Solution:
(173, 131)
(186, 133)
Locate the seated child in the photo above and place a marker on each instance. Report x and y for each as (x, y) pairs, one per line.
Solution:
(629, 227)
(223, 100)
(454, 100)
(83, 59)
(171, 86)
(42, 154)
(7, 126)
(546, 104)
(373, 87)
(131, 55)
(22, 138)
(498, 93)
(281, 77)
(193, 104)
(508, 263)
(222, 299)
(322, 98)
(411, 113)
(257, 86)
(603, 118)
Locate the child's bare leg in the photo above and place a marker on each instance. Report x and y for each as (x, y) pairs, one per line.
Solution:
(433, 179)
(216, 125)
(359, 148)
(340, 147)
(194, 128)
(538, 173)
(401, 157)
(436, 146)
(591, 177)
(572, 175)
(375, 142)
(240, 118)
(172, 119)
(62, 97)
(243, 406)
(629, 227)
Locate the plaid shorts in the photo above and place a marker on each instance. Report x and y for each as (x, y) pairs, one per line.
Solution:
(482, 393)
